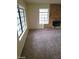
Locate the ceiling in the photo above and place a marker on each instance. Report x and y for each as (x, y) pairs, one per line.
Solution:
(43, 1)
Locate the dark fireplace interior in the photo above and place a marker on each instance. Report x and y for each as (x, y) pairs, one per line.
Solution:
(56, 23)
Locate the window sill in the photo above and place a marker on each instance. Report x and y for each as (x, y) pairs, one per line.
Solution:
(22, 35)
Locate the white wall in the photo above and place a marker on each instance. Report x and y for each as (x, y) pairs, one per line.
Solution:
(20, 44)
(33, 15)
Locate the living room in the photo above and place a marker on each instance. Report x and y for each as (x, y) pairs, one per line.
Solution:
(39, 17)
(39, 29)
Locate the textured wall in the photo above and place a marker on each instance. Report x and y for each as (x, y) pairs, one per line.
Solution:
(55, 11)
(54, 14)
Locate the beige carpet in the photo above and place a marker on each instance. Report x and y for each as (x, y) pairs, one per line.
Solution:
(43, 44)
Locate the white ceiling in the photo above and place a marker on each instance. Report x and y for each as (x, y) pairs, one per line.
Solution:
(43, 1)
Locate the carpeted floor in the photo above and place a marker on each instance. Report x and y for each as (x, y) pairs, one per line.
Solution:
(43, 44)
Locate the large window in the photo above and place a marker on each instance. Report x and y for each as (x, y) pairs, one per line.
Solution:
(20, 20)
(43, 16)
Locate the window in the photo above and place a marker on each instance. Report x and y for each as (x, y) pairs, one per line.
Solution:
(43, 16)
(20, 20)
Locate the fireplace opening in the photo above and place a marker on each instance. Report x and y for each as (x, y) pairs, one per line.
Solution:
(56, 23)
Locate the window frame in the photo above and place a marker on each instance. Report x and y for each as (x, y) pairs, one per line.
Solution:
(44, 20)
(21, 21)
